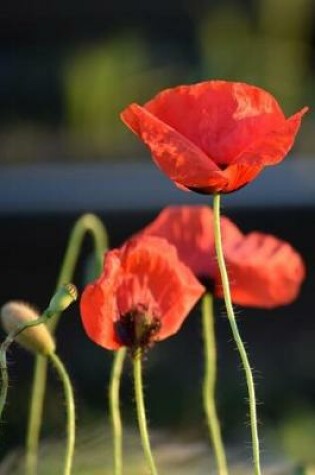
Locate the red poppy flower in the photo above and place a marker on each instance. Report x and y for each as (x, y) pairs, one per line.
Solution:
(264, 271)
(143, 295)
(214, 136)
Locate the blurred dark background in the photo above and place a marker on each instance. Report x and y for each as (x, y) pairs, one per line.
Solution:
(66, 71)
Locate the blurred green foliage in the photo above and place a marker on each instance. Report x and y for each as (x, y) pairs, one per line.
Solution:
(99, 81)
(297, 435)
(265, 51)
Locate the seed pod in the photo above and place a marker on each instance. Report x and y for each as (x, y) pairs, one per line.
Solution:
(64, 297)
(36, 339)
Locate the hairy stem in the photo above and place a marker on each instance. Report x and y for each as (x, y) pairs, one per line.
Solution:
(114, 387)
(142, 421)
(70, 407)
(236, 335)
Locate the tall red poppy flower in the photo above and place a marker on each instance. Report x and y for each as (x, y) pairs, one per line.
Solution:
(264, 271)
(143, 295)
(214, 136)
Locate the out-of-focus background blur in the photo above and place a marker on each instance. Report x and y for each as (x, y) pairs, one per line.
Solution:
(67, 68)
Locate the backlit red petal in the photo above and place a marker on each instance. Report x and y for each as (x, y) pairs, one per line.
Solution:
(275, 145)
(264, 271)
(177, 157)
(174, 288)
(221, 118)
(98, 304)
(190, 230)
(237, 176)
(98, 311)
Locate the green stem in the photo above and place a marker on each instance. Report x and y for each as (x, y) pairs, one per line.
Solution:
(86, 224)
(4, 380)
(142, 422)
(70, 407)
(209, 383)
(35, 415)
(236, 334)
(114, 387)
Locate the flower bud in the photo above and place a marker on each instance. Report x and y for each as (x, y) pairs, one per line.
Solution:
(63, 297)
(36, 339)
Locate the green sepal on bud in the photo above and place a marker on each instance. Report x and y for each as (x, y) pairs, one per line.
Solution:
(63, 297)
(37, 338)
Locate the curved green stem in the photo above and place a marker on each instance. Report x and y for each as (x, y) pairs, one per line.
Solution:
(58, 365)
(114, 387)
(142, 422)
(86, 224)
(236, 335)
(209, 383)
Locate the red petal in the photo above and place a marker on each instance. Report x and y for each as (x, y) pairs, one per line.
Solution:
(154, 262)
(190, 230)
(237, 176)
(177, 157)
(221, 118)
(274, 146)
(264, 271)
(98, 305)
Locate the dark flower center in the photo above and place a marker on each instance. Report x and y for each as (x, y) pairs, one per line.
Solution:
(137, 328)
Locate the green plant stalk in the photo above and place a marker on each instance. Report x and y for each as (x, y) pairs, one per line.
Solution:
(87, 223)
(35, 415)
(142, 422)
(114, 387)
(4, 380)
(3, 355)
(70, 407)
(236, 335)
(209, 383)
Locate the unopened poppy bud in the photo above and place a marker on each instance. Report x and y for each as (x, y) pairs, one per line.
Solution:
(37, 338)
(64, 297)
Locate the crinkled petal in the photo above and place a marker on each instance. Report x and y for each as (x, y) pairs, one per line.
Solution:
(174, 288)
(190, 230)
(221, 118)
(174, 154)
(98, 305)
(231, 179)
(275, 145)
(239, 175)
(264, 271)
